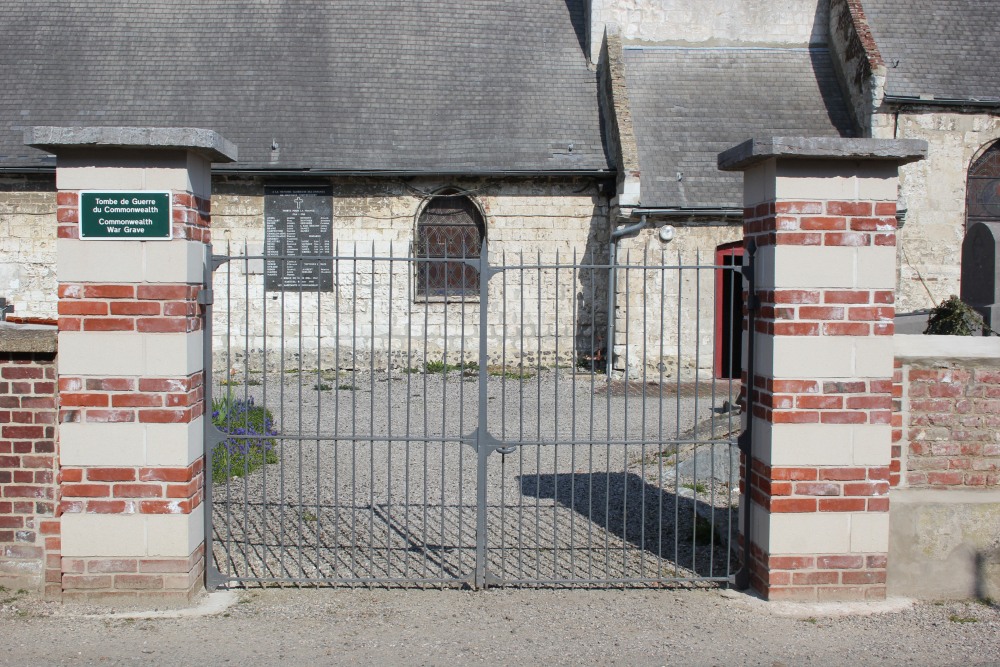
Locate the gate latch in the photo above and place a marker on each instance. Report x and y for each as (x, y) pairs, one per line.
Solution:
(206, 296)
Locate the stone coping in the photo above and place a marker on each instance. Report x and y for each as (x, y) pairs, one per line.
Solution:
(756, 150)
(21, 338)
(982, 349)
(208, 143)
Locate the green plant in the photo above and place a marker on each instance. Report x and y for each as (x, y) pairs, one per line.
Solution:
(249, 446)
(509, 373)
(346, 387)
(697, 487)
(955, 618)
(308, 516)
(322, 386)
(954, 318)
(442, 367)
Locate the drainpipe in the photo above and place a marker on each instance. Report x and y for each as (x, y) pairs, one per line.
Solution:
(616, 234)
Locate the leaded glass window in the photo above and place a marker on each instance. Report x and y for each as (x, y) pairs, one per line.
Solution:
(449, 230)
(982, 200)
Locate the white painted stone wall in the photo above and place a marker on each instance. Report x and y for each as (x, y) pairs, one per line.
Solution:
(668, 316)
(933, 192)
(550, 314)
(28, 245)
(786, 22)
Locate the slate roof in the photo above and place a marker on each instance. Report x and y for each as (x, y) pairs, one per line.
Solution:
(422, 85)
(689, 104)
(946, 48)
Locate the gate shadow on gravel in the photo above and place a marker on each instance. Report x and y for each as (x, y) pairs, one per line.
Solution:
(681, 531)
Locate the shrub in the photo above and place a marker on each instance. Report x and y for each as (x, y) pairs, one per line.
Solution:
(954, 318)
(248, 447)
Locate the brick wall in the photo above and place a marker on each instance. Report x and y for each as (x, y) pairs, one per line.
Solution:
(837, 315)
(946, 424)
(29, 473)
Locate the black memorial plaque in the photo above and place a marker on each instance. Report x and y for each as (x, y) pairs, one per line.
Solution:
(298, 223)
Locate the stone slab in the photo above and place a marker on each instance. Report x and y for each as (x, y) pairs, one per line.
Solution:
(754, 151)
(205, 142)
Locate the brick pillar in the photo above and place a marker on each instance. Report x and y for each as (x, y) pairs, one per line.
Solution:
(822, 216)
(131, 365)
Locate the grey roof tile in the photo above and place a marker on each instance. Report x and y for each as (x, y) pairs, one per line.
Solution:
(690, 104)
(447, 85)
(946, 48)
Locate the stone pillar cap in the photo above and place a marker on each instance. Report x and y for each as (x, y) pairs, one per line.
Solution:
(207, 143)
(757, 150)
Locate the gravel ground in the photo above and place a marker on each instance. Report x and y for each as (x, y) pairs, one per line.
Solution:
(377, 480)
(507, 627)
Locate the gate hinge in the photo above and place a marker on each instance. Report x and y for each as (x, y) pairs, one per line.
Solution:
(206, 296)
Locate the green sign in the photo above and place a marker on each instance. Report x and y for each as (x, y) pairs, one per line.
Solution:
(130, 216)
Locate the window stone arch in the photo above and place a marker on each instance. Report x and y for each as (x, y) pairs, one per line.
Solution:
(982, 198)
(449, 228)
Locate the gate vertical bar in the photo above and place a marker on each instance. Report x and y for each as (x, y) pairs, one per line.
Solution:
(483, 447)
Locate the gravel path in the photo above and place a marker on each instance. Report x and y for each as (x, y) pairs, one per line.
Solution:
(377, 480)
(506, 627)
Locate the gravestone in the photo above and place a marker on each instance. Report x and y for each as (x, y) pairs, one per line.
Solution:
(980, 277)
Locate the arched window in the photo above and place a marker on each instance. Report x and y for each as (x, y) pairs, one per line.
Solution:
(982, 199)
(449, 228)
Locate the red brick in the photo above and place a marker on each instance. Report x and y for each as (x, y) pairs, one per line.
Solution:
(136, 401)
(107, 507)
(162, 324)
(790, 505)
(823, 223)
(83, 400)
(796, 417)
(135, 308)
(843, 474)
(880, 504)
(807, 239)
(842, 505)
(847, 296)
(112, 565)
(846, 329)
(796, 329)
(110, 416)
(109, 324)
(795, 386)
(793, 474)
(812, 402)
(840, 562)
(851, 208)
(791, 296)
(862, 578)
(798, 207)
(165, 474)
(108, 291)
(86, 490)
(111, 474)
(138, 491)
(164, 416)
(111, 384)
(817, 489)
(164, 292)
(847, 239)
(843, 417)
(815, 578)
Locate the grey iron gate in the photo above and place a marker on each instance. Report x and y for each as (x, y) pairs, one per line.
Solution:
(374, 431)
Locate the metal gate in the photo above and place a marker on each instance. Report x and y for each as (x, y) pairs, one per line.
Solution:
(563, 424)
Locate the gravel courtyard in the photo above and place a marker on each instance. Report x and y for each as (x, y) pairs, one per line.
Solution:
(507, 627)
(376, 479)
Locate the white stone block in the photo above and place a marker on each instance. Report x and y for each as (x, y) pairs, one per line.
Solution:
(876, 267)
(175, 535)
(869, 532)
(805, 267)
(109, 535)
(88, 261)
(175, 262)
(810, 533)
(126, 353)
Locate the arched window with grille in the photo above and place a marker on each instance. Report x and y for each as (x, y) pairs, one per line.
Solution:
(449, 228)
(982, 199)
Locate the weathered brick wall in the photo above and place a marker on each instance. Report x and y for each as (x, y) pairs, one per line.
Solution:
(946, 431)
(29, 473)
